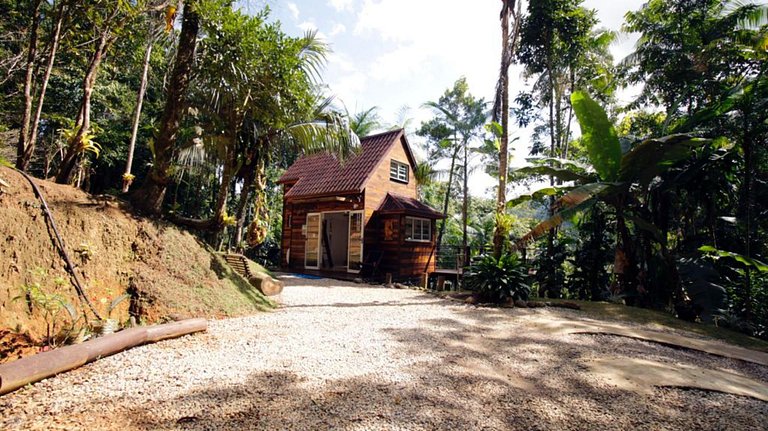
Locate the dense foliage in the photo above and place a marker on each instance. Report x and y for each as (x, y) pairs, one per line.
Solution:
(499, 280)
(192, 109)
(658, 203)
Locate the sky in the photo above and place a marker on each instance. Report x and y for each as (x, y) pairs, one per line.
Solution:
(402, 53)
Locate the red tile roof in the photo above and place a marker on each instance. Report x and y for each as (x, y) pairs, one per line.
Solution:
(322, 174)
(402, 204)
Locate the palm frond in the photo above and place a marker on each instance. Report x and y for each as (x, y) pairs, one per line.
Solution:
(330, 134)
(313, 53)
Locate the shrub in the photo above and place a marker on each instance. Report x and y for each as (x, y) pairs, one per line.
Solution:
(500, 280)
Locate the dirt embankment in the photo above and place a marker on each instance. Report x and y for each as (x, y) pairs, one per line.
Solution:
(165, 270)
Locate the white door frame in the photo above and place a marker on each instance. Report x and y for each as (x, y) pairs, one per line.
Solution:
(319, 238)
(362, 238)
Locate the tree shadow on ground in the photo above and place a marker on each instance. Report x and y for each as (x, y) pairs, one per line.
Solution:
(479, 375)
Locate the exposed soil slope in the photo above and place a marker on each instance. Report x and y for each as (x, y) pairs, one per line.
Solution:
(166, 271)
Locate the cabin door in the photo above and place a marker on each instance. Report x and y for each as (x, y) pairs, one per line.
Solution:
(355, 248)
(312, 243)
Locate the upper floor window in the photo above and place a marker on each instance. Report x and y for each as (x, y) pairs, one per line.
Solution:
(398, 171)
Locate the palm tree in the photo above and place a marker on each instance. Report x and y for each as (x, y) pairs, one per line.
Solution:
(364, 122)
(149, 197)
(501, 107)
(239, 92)
(155, 30)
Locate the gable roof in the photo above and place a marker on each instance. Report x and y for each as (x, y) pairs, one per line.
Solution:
(322, 174)
(398, 204)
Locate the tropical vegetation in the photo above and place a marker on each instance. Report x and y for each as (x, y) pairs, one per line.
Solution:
(191, 110)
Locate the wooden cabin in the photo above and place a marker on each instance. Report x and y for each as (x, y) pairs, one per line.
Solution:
(363, 214)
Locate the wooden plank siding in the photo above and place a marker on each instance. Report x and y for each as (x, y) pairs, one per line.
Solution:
(296, 214)
(379, 183)
(402, 259)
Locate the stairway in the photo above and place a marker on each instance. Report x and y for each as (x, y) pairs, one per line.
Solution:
(239, 263)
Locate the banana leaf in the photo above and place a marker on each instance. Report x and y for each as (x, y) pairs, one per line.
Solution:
(573, 202)
(552, 222)
(598, 134)
(538, 194)
(561, 174)
(653, 157)
(744, 260)
(648, 227)
(573, 165)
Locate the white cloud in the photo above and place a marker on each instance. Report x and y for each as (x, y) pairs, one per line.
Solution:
(342, 61)
(341, 5)
(293, 9)
(338, 29)
(307, 26)
(434, 38)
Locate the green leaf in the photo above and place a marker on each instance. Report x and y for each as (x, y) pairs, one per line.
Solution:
(538, 194)
(553, 222)
(494, 128)
(648, 227)
(653, 157)
(598, 135)
(560, 174)
(744, 260)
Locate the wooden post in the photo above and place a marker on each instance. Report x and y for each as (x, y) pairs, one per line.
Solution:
(388, 278)
(424, 280)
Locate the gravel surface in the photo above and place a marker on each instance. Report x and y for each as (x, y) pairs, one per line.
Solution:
(344, 356)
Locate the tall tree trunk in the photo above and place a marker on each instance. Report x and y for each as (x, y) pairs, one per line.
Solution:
(55, 36)
(501, 193)
(572, 79)
(747, 198)
(83, 121)
(445, 202)
(26, 115)
(127, 176)
(149, 197)
(245, 193)
(465, 208)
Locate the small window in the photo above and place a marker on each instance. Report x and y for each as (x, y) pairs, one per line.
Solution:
(418, 229)
(398, 171)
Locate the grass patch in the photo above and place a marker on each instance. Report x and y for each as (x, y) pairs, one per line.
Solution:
(257, 268)
(245, 289)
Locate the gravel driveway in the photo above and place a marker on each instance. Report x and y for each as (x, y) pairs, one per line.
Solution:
(345, 356)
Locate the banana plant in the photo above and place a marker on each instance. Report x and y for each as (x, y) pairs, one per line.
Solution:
(615, 178)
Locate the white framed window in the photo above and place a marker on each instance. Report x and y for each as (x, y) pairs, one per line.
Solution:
(398, 171)
(418, 229)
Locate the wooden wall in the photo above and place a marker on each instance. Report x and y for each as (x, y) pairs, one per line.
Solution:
(296, 213)
(379, 183)
(403, 259)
